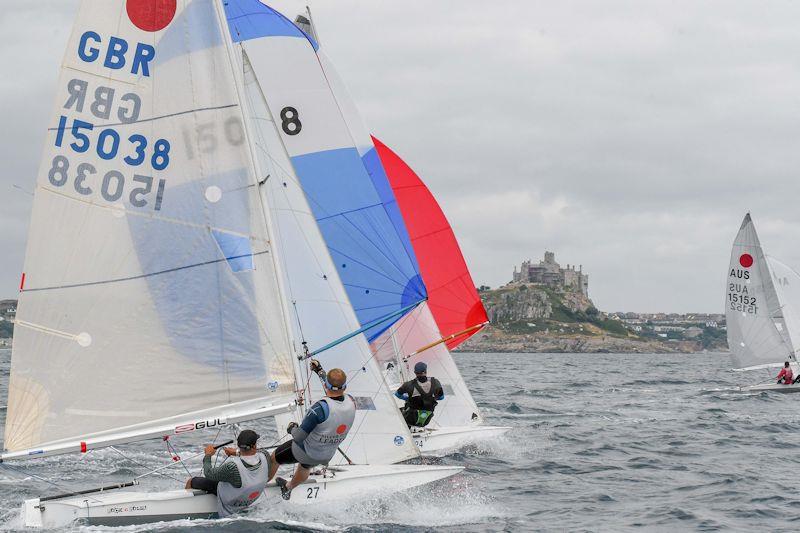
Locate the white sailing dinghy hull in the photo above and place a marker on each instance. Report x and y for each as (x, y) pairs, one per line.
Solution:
(436, 441)
(118, 508)
(771, 387)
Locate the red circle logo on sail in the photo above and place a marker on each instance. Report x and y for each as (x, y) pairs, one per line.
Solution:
(341, 429)
(151, 15)
(746, 260)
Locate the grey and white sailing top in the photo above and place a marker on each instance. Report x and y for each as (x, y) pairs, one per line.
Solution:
(325, 427)
(253, 473)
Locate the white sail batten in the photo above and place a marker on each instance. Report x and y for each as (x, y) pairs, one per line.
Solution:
(150, 284)
(320, 302)
(757, 330)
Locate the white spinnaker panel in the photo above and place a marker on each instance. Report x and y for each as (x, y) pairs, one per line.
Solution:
(379, 435)
(786, 282)
(411, 333)
(149, 288)
(355, 124)
(757, 332)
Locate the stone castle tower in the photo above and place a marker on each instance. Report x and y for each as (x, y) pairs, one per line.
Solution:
(549, 272)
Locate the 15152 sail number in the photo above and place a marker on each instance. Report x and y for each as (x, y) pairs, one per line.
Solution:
(112, 185)
(109, 141)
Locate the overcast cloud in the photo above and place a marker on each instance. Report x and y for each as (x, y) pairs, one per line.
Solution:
(630, 137)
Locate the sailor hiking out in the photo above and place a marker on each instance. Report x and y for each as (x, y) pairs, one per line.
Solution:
(240, 480)
(785, 376)
(421, 395)
(324, 427)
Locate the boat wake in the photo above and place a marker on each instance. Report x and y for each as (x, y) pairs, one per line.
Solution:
(447, 504)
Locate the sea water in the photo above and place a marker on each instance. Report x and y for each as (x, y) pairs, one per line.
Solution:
(601, 442)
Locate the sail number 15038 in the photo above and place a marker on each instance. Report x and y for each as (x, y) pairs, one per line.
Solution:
(112, 186)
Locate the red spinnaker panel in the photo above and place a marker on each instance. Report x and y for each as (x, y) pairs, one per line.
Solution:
(452, 296)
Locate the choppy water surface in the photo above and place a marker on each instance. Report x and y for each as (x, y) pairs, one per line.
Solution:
(601, 442)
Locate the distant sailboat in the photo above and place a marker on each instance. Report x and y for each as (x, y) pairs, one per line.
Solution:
(153, 301)
(763, 322)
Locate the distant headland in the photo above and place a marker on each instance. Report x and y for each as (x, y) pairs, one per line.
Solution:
(546, 308)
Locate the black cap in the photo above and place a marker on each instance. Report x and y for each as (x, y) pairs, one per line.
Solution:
(247, 439)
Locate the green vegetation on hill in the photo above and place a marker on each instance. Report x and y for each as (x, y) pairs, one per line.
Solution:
(521, 308)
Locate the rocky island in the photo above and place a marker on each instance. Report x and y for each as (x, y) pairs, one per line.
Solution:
(546, 308)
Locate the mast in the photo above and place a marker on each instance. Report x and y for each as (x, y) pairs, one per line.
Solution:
(229, 45)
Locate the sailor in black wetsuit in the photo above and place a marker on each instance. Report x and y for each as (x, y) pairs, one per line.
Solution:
(421, 395)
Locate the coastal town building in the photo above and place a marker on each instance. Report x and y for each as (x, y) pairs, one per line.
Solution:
(549, 272)
(8, 310)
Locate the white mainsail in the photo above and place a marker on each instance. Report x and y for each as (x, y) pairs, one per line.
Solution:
(320, 302)
(150, 296)
(786, 282)
(757, 330)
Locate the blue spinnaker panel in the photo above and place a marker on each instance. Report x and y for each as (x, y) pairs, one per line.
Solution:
(250, 19)
(380, 181)
(372, 254)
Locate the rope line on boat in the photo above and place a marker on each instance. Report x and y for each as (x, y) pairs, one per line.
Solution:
(158, 470)
(369, 325)
(70, 492)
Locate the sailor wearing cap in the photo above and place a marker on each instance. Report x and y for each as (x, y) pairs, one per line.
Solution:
(421, 395)
(240, 480)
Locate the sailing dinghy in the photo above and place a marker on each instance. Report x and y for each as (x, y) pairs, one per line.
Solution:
(425, 267)
(153, 301)
(763, 323)
(347, 268)
(451, 315)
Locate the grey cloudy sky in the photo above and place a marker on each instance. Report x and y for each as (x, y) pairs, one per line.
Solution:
(630, 137)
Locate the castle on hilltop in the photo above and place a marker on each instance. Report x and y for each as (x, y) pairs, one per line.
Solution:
(548, 272)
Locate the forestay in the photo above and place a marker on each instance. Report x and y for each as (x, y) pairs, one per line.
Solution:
(757, 331)
(149, 289)
(320, 303)
(371, 252)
